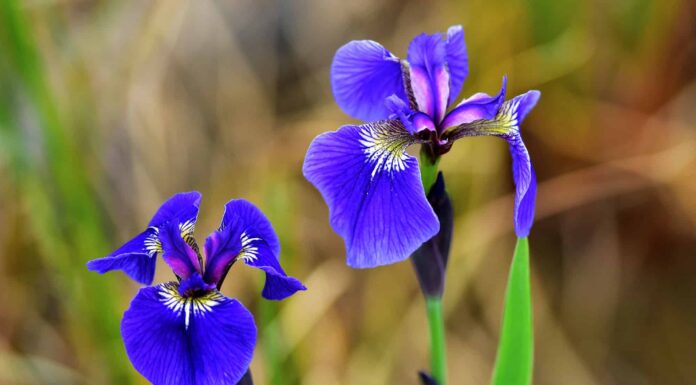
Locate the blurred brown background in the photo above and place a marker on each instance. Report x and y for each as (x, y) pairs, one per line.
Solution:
(109, 107)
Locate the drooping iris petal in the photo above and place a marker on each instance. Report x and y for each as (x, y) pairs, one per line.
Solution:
(363, 75)
(373, 190)
(133, 258)
(525, 186)
(178, 254)
(526, 101)
(429, 77)
(172, 340)
(511, 115)
(522, 169)
(137, 258)
(260, 247)
(478, 106)
(457, 60)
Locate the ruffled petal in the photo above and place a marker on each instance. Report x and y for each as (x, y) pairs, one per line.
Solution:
(374, 191)
(429, 76)
(478, 106)
(363, 75)
(178, 254)
(260, 247)
(172, 340)
(457, 60)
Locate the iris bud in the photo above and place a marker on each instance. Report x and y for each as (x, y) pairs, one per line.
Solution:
(430, 260)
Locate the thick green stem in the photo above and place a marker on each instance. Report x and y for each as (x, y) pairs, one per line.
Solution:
(438, 349)
(428, 169)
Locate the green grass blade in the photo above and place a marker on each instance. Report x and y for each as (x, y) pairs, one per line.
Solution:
(515, 358)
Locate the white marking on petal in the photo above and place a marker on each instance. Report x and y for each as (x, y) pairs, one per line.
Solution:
(249, 252)
(187, 228)
(187, 311)
(152, 243)
(384, 145)
(198, 306)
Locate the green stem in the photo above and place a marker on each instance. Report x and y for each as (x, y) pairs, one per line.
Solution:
(271, 340)
(438, 350)
(428, 169)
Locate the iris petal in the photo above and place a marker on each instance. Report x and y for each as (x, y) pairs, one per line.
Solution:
(522, 169)
(178, 254)
(457, 60)
(478, 106)
(137, 257)
(525, 186)
(182, 207)
(221, 249)
(172, 340)
(259, 247)
(363, 75)
(373, 190)
(133, 258)
(429, 76)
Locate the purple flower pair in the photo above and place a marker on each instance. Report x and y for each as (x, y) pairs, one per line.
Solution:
(186, 332)
(373, 188)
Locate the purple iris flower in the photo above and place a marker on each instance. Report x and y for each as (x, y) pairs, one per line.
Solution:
(186, 332)
(373, 188)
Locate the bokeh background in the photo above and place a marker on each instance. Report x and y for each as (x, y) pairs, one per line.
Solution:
(109, 107)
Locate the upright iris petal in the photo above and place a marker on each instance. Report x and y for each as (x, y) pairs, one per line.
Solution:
(222, 248)
(457, 60)
(173, 340)
(137, 257)
(363, 75)
(374, 191)
(259, 247)
(178, 254)
(427, 57)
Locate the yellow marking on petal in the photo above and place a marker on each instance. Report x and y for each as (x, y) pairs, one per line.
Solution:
(385, 145)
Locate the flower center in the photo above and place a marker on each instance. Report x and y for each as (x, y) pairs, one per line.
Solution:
(194, 286)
